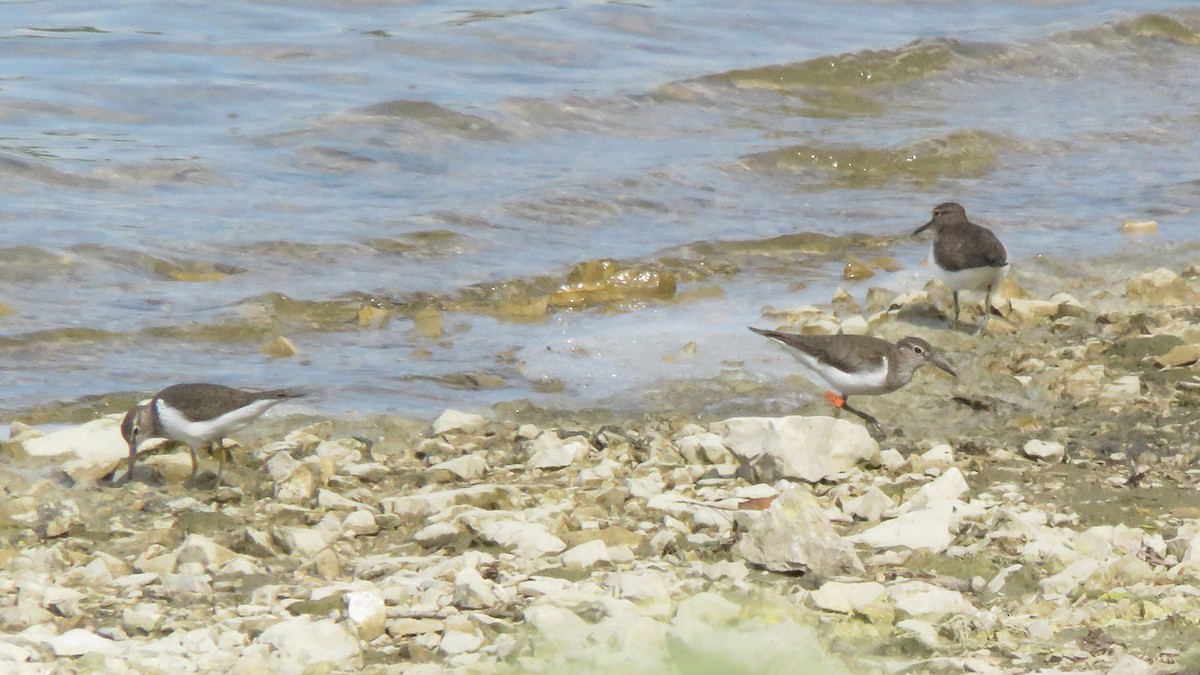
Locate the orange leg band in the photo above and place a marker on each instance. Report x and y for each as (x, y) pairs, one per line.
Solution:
(837, 401)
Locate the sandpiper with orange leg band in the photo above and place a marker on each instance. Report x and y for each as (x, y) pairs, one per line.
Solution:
(859, 365)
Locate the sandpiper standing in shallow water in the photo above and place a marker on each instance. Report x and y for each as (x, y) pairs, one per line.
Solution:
(859, 364)
(197, 414)
(967, 257)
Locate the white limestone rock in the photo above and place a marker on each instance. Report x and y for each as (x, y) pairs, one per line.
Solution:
(931, 527)
(1161, 287)
(924, 601)
(367, 613)
(847, 597)
(1048, 451)
(360, 523)
(548, 451)
(561, 627)
(87, 452)
(302, 541)
(947, 487)
(202, 549)
(795, 535)
(705, 448)
(465, 467)
(436, 501)
(79, 641)
(437, 535)
(144, 617)
(302, 642)
(869, 506)
(796, 447)
(328, 499)
(1068, 580)
(586, 555)
(472, 591)
(458, 421)
(460, 642)
(528, 540)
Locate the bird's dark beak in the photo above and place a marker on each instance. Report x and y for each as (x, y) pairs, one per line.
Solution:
(938, 362)
(922, 228)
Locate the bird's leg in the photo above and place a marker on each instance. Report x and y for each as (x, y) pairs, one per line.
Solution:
(837, 401)
(195, 462)
(132, 461)
(222, 454)
(876, 429)
(955, 294)
(987, 310)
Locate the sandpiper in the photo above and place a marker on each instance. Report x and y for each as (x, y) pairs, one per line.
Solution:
(859, 364)
(968, 257)
(197, 414)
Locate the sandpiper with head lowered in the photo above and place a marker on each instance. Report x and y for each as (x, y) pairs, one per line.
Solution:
(859, 364)
(197, 414)
(968, 257)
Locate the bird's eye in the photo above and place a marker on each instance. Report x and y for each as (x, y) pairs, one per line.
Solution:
(918, 349)
(136, 430)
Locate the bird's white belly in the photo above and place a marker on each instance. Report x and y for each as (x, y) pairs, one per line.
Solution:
(848, 384)
(199, 432)
(973, 279)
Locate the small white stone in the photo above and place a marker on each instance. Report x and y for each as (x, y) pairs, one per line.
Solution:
(455, 420)
(548, 451)
(538, 586)
(704, 448)
(472, 591)
(930, 527)
(561, 627)
(360, 523)
(78, 641)
(328, 499)
(923, 631)
(1045, 450)
(706, 608)
(838, 596)
(1040, 629)
(794, 534)
(941, 453)
(1131, 665)
(1066, 581)
(301, 541)
(466, 467)
(528, 540)
(892, 459)
(436, 535)
(869, 506)
(460, 642)
(586, 555)
(644, 585)
(949, 486)
(368, 614)
(202, 549)
(797, 447)
(924, 601)
(144, 617)
(303, 641)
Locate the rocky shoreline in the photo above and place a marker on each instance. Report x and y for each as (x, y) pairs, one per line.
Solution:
(1041, 513)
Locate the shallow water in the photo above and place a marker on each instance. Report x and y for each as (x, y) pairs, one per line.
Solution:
(184, 183)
